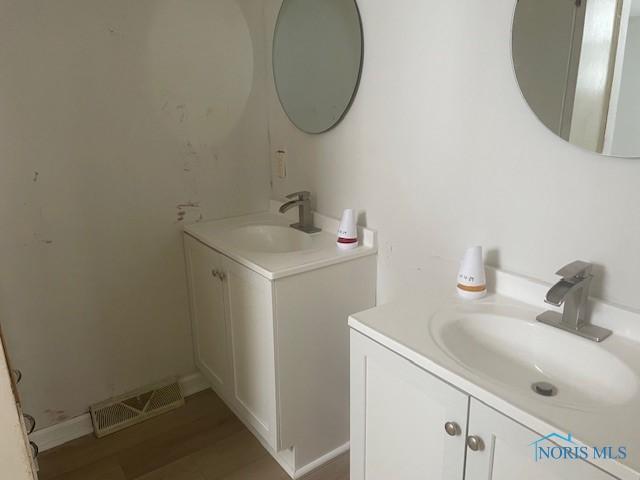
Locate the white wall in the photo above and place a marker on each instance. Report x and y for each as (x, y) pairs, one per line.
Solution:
(119, 121)
(626, 137)
(441, 151)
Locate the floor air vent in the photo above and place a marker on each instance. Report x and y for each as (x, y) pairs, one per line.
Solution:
(135, 407)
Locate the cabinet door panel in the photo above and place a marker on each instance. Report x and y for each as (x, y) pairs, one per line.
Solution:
(207, 312)
(252, 348)
(398, 417)
(508, 453)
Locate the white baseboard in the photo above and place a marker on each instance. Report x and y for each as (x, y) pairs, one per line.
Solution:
(309, 467)
(60, 433)
(63, 432)
(194, 383)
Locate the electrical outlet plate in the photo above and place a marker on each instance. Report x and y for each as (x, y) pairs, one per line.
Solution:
(281, 162)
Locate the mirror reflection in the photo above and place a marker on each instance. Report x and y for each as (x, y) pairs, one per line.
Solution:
(578, 65)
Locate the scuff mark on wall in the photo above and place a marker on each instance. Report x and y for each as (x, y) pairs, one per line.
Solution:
(36, 174)
(56, 416)
(191, 152)
(43, 240)
(182, 112)
(187, 207)
(190, 149)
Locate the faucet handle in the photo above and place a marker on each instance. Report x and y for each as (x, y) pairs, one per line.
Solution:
(302, 195)
(577, 269)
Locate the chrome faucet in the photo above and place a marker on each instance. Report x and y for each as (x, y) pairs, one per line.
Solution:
(573, 292)
(302, 200)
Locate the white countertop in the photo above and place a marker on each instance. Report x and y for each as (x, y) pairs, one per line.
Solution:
(403, 327)
(277, 265)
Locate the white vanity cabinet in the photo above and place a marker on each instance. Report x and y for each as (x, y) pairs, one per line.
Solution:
(232, 322)
(251, 346)
(207, 298)
(274, 341)
(407, 424)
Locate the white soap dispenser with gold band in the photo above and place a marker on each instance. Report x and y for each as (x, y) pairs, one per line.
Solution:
(472, 280)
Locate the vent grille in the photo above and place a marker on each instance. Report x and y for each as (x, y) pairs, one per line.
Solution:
(121, 412)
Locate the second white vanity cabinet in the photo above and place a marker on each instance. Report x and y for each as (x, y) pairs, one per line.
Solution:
(508, 453)
(397, 416)
(407, 424)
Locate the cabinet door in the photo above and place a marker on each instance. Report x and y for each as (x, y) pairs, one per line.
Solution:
(508, 454)
(208, 319)
(252, 348)
(398, 416)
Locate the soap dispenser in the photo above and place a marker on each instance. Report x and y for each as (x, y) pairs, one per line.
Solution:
(348, 231)
(472, 282)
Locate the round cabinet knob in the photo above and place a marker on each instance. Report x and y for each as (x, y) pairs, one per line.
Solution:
(475, 443)
(29, 423)
(452, 429)
(34, 450)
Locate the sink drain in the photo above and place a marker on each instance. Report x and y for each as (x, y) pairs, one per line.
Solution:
(544, 388)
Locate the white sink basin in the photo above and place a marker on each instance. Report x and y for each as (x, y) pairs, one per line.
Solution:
(506, 345)
(269, 239)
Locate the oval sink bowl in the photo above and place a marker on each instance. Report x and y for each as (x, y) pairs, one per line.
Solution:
(269, 239)
(507, 345)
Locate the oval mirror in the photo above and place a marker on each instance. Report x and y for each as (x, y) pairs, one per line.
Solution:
(578, 65)
(317, 59)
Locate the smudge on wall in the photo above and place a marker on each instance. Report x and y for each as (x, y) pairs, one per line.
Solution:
(191, 209)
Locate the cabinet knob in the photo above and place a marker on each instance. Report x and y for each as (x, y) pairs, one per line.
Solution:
(29, 423)
(452, 429)
(34, 450)
(475, 443)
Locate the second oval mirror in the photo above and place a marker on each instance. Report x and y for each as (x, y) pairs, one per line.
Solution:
(578, 66)
(317, 59)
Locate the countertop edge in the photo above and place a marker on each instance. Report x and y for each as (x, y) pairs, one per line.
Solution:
(360, 252)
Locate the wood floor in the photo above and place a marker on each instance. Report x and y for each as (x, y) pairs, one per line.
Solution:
(201, 441)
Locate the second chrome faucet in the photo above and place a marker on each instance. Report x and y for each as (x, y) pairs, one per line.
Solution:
(573, 292)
